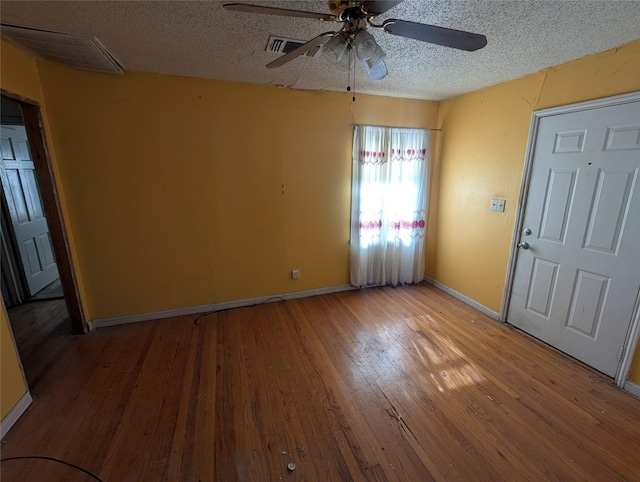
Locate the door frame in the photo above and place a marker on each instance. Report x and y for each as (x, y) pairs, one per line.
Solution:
(34, 125)
(12, 270)
(633, 334)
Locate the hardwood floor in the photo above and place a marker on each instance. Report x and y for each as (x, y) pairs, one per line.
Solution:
(42, 330)
(380, 384)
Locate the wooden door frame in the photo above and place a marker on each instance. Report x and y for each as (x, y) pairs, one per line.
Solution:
(633, 334)
(33, 123)
(12, 271)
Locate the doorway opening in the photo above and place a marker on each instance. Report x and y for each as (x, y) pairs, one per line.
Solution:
(29, 269)
(35, 256)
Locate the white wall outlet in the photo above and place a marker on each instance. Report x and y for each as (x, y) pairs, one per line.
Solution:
(295, 274)
(497, 205)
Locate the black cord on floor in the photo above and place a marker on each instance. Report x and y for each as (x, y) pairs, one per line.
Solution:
(51, 459)
(268, 300)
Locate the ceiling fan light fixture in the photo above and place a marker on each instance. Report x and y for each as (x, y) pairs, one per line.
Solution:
(335, 48)
(366, 45)
(376, 58)
(344, 64)
(377, 72)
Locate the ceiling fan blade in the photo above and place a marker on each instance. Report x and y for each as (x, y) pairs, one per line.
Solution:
(245, 7)
(448, 37)
(377, 7)
(310, 45)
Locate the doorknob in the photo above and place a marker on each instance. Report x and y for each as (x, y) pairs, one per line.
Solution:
(523, 245)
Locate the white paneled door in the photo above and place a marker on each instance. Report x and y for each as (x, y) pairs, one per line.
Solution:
(577, 273)
(26, 210)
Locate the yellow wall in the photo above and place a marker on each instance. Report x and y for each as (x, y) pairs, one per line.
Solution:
(12, 383)
(634, 373)
(481, 156)
(19, 75)
(175, 185)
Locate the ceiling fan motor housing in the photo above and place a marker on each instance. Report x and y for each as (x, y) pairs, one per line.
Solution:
(336, 7)
(351, 13)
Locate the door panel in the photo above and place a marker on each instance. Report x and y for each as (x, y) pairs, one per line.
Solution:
(576, 286)
(26, 210)
(46, 244)
(542, 286)
(588, 295)
(37, 212)
(16, 197)
(611, 203)
(34, 266)
(560, 186)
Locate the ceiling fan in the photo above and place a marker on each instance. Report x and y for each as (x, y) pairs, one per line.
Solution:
(340, 46)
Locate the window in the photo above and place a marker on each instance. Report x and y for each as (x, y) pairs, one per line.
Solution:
(389, 205)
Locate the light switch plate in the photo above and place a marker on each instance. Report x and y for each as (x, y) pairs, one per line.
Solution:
(497, 205)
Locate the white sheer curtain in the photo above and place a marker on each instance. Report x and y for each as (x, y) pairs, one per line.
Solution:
(388, 205)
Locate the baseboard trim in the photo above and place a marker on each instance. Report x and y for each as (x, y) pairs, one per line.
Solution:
(14, 414)
(631, 387)
(194, 310)
(465, 299)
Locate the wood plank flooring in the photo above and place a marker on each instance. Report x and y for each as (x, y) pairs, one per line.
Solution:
(380, 384)
(42, 330)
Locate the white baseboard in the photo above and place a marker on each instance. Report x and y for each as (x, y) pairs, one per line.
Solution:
(193, 310)
(14, 414)
(465, 299)
(631, 387)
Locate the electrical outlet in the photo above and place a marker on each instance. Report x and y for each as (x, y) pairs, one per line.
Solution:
(295, 274)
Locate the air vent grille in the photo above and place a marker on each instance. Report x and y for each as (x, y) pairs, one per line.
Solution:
(285, 45)
(78, 51)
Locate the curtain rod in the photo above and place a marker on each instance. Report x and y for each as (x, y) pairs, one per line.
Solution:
(395, 127)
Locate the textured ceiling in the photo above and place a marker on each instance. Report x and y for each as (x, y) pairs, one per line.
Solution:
(201, 39)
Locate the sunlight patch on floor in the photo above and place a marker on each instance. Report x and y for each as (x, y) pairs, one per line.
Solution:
(448, 366)
(458, 376)
(445, 366)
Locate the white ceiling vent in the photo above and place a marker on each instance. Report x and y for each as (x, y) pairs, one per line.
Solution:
(78, 51)
(285, 45)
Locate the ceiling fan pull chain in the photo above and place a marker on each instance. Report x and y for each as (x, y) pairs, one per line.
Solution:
(353, 99)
